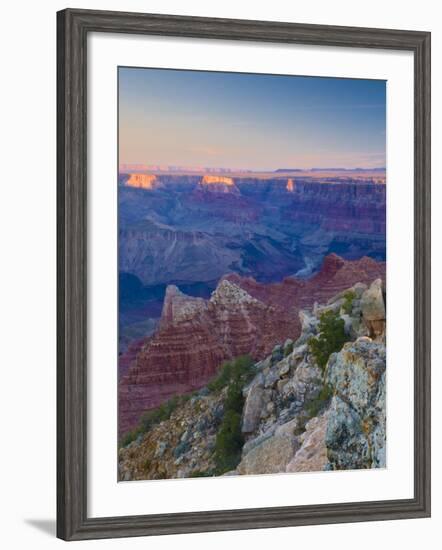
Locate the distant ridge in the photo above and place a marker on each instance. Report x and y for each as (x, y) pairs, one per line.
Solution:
(289, 170)
(379, 169)
(347, 170)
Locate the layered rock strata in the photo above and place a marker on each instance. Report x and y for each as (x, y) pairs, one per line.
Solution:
(289, 422)
(242, 316)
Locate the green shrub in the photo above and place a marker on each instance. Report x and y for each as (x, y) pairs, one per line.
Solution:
(239, 369)
(229, 439)
(316, 405)
(201, 473)
(161, 413)
(222, 378)
(242, 368)
(150, 418)
(234, 399)
(349, 296)
(288, 349)
(229, 442)
(331, 337)
(129, 437)
(302, 421)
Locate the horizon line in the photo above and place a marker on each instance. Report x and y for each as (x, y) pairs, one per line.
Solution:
(177, 168)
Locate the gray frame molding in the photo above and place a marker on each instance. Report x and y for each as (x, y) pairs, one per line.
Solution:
(73, 27)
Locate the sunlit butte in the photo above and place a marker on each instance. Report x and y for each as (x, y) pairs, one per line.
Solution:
(142, 181)
(207, 180)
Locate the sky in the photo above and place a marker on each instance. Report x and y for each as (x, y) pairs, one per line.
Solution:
(250, 121)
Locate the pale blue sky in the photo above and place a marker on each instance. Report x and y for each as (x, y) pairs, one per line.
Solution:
(258, 122)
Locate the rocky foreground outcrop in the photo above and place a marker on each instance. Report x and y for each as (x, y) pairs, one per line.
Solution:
(297, 415)
(242, 316)
(335, 419)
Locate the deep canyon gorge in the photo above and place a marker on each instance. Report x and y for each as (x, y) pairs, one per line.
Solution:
(214, 267)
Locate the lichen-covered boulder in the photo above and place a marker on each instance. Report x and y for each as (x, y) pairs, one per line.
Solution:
(356, 432)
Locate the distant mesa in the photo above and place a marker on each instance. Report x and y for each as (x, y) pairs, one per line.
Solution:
(289, 170)
(290, 185)
(218, 184)
(143, 181)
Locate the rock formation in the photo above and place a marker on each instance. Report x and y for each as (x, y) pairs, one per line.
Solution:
(254, 226)
(343, 430)
(356, 430)
(356, 208)
(335, 275)
(195, 336)
(143, 181)
(296, 417)
(218, 184)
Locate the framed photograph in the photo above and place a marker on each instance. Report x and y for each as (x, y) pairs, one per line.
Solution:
(243, 274)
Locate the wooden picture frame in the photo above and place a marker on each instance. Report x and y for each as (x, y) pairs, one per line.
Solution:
(73, 27)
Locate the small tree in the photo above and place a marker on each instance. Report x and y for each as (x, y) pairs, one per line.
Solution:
(229, 442)
(349, 296)
(222, 378)
(331, 337)
(229, 439)
(288, 349)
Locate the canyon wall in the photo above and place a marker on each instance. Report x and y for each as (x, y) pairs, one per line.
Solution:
(242, 316)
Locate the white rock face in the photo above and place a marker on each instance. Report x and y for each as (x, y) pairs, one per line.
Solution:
(229, 293)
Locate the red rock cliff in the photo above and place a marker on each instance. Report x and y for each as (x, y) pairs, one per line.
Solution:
(242, 316)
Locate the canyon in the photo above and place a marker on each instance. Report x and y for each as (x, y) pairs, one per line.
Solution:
(191, 229)
(242, 316)
(214, 266)
(292, 413)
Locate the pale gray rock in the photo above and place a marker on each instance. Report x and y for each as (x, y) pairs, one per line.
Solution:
(283, 367)
(357, 289)
(288, 345)
(288, 428)
(334, 307)
(312, 454)
(308, 321)
(373, 309)
(270, 457)
(356, 432)
(253, 406)
(271, 378)
(305, 383)
(254, 442)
